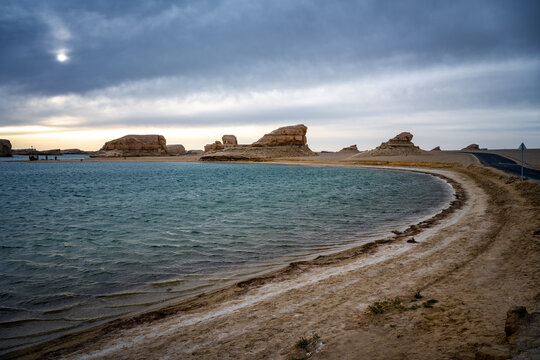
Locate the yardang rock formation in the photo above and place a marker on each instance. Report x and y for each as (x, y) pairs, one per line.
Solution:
(5, 148)
(176, 149)
(217, 145)
(286, 141)
(229, 140)
(472, 147)
(349, 149)
(400, 144)
(284, 136)
(134, 145)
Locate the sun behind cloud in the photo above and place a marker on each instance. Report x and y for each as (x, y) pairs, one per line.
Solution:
(62, 57)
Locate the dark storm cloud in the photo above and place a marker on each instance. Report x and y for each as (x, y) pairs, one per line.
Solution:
(248, 43)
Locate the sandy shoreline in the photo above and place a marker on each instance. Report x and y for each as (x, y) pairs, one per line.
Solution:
(265, 316)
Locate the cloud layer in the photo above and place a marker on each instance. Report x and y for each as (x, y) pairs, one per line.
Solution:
(436, 68)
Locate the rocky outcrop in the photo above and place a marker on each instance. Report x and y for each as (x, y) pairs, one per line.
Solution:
(437, 148)
(176, 149)
(217, 145)
(134, 145)
(288, 141)
(400, 144)
(229, 140)
(5, 148)
(194, 152)
(400, 141)
(522, 340)
(350, 149)
(472, 147)
(284, 136)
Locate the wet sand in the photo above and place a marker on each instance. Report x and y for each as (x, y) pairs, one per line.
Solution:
(477, 260)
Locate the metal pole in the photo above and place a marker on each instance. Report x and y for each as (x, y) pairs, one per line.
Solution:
(522, 149)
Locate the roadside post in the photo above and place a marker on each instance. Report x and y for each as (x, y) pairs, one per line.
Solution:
(522, 147)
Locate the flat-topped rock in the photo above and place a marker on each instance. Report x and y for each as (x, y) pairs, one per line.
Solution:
(352, 148)
(287, 135)
(176, 149)
(5, 148)
(135, 145)
(472, 147)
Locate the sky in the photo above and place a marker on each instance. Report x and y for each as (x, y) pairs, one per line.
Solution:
(77, 73)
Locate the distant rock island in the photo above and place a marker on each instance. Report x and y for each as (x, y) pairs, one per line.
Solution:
(5, 148)
(288, 141)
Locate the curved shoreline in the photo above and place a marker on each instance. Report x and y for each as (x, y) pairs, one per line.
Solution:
(76, 341)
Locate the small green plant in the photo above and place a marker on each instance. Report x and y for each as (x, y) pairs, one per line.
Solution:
(396, 303)
(429, 304)
(418, 295)
(414, 307)
(306, 347)
(377, 307)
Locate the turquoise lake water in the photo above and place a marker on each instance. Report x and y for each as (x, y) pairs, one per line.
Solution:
(86, 242)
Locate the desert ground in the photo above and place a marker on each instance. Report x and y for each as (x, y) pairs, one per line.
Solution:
(444, 296)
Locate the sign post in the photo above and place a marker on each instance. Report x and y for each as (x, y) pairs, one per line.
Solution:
(522, 147)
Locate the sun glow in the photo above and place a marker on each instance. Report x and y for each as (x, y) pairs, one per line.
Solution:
(62, 57)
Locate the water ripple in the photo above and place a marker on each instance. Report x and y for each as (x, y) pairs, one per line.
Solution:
(90, 241)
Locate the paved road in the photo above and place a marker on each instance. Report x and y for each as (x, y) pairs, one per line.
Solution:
(505, 164)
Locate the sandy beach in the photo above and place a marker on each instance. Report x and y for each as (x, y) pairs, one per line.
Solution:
(476, 260)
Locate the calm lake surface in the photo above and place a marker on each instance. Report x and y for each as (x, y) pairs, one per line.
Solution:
(86, 242)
